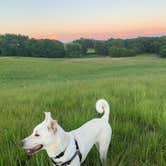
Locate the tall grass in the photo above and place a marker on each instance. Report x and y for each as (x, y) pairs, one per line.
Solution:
(134, 87)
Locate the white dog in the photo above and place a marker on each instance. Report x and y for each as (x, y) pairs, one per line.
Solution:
(71, 148)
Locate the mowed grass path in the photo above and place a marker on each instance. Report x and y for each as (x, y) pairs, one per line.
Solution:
(134, 87)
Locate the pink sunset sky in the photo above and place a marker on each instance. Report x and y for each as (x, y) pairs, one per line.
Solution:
(67, 20)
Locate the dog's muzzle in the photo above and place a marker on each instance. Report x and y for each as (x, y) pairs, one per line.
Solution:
(32, 150)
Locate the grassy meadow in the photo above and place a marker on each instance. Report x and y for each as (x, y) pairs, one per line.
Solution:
(135, 88)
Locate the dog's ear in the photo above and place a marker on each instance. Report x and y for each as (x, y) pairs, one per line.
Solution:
(52, 125)
(47, 116)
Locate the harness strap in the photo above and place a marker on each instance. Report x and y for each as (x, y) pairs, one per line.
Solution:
(69, 161)
(78, 150)
(60, 155)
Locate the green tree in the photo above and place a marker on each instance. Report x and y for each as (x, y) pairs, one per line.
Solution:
(73, 50)
(163, 52)
(13, 45)
(101, 48)
(121, 52)
(19, 45)
(85, 44)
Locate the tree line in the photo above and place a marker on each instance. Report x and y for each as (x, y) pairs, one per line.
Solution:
(20, 45)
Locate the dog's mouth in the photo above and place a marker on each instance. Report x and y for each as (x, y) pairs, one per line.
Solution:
(34, 149)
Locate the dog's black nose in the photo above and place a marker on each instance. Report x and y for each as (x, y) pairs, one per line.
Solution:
(22, 143)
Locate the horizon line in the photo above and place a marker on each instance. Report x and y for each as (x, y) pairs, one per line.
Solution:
(52, 37)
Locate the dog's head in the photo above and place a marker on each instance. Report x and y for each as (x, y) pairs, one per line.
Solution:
(43, 135)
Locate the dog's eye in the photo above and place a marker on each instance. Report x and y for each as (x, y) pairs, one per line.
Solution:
(37, 135)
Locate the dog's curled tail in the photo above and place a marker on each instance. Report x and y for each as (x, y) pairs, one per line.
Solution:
(102, 106)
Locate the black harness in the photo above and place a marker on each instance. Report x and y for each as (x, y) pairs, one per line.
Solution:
(72, 158)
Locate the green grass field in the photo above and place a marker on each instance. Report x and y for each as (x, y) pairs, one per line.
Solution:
(135, 88)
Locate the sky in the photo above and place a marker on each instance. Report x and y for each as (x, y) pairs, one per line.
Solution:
(67, 20)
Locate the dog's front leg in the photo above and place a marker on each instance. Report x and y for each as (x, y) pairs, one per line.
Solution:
(75, 162)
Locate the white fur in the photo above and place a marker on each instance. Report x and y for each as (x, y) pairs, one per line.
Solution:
(55, 140)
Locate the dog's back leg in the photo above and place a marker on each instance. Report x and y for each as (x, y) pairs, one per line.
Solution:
(103, 144)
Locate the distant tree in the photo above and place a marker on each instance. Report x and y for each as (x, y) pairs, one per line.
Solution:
(85, 44)
(121, 52)
(45, 48)
(115, 43)
(101, 48)
(73, 50)
(163, 52)
(1, 40)
(20, 45)
(13, 45)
